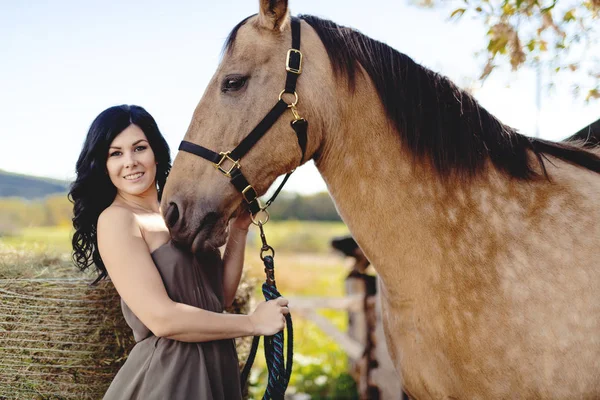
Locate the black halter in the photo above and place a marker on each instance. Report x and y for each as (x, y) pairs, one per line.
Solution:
(294, 69)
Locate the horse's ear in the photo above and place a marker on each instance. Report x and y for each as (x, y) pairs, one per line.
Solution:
(273, 14)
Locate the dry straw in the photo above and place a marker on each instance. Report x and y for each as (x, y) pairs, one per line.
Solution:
(61, 338)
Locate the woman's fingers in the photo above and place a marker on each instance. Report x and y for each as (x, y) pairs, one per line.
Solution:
(282, 301)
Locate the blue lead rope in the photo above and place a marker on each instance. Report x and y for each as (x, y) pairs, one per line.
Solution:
(280, 368)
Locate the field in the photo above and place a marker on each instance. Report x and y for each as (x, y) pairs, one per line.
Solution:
(305, 266)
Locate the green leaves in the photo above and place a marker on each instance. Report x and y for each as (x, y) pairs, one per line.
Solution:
(553, 34)
(569, 16)
(593, 94)
(531, 45)
(508, 9)
(458, 13)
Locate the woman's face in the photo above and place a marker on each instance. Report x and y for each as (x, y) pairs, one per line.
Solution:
(131, 164)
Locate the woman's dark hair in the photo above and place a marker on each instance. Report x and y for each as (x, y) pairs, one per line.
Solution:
(92, 192)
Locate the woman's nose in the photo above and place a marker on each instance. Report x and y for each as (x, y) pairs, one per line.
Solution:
(130, 161)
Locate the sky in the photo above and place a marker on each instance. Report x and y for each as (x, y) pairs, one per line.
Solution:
(62, 62)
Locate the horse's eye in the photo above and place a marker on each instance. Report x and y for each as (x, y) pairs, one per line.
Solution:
(233, 83)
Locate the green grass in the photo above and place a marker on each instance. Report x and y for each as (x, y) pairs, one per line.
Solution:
(41, 252)
(55, 239)
(299, 236)
(284, 236)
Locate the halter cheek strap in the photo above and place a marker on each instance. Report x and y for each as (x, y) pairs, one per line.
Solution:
(228, 163)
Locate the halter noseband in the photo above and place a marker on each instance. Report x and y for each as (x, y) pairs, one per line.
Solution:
(293, 66)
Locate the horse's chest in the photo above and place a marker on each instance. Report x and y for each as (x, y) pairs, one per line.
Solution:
(425, 370)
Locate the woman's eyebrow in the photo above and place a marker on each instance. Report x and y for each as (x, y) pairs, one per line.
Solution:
(133, 144)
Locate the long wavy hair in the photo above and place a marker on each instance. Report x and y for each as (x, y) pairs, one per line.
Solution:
(92, 191)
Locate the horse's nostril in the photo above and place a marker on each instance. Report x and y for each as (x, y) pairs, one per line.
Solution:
(172, 215)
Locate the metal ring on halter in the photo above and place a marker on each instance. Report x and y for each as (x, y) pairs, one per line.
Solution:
(258, 221)
(268, 248)
(292, 104)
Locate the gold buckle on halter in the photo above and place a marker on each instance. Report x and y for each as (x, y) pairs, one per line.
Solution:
(249, 187)
(298, 70)
(225, 156)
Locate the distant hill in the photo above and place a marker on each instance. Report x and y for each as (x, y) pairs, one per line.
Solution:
(29, 187)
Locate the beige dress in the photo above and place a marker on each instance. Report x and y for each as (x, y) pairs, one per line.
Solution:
(159, 368)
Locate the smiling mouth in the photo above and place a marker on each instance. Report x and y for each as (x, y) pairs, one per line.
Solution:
(133, 177)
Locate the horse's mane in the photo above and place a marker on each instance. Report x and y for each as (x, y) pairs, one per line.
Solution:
(588, 136)
(436, 120)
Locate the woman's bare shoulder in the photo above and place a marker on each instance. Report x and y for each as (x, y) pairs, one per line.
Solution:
(117, 218)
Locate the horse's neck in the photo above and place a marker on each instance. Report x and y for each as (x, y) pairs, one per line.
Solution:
(396, 208)
(385, 201)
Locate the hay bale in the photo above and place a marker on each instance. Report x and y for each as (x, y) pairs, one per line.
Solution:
(63, 339)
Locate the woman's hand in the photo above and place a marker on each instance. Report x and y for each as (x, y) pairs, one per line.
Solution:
(269, 317)
(242, 221)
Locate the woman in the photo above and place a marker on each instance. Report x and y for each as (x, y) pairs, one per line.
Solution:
(172, 300)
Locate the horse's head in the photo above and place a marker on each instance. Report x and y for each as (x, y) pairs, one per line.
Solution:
(199, 200)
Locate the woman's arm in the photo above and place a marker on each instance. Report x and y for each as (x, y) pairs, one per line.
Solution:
(134, 275)
(233, 258)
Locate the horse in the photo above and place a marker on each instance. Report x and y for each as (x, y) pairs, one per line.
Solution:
(485, 240)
